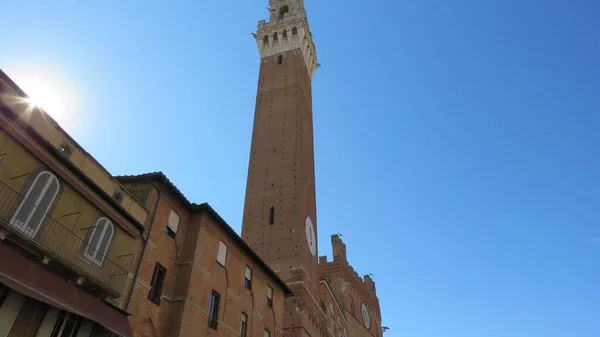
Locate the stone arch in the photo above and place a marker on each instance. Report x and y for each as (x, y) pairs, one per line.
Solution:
(146, 329)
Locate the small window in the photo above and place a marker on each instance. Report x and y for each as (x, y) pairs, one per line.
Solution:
(244, 326)
(213, 310)
(294, 31)
(158, 278)
(222, 255)
(65, 150)
(172, 224)
(269, 297)
(283, 10)
(170, 232)
(272, 216)
(248, 278)
(266, 40)
(267, 333)
(118, 197)
(280, 59)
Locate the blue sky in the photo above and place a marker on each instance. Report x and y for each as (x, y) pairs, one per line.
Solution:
(456, 141)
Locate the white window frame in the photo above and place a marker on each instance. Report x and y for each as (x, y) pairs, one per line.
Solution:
(98, 253)
(22, 226)
(222, 254)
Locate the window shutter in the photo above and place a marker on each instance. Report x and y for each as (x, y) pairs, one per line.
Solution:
(222, 256)
(173, 221)
(248, 273)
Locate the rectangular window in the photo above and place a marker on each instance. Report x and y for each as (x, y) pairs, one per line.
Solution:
(267, 333)
(213, 310)
(222, 255)
(158, 278)
(269, 297)
(67, 325)
(173, 224)
(244, 326)
(248, 278)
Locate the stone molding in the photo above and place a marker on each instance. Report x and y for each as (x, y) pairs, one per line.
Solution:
(287, 34)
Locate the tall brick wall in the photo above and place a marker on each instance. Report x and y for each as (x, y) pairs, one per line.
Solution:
(192, 274)
(281, 168)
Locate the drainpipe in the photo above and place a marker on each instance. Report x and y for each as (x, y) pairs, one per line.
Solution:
(144, 246)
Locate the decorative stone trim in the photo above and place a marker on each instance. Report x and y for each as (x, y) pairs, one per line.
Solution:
(289, 33)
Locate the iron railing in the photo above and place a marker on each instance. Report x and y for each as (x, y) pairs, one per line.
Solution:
(60, 243)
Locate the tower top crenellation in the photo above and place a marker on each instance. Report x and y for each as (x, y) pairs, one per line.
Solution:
(287, 30)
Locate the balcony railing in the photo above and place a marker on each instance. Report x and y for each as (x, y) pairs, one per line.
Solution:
(60, 243)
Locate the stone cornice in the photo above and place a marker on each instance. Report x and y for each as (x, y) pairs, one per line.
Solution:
(288, 34)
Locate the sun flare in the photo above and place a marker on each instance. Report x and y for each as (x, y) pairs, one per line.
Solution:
(44, 95)
(50, 90)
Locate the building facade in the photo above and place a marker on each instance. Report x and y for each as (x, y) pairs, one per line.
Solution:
(211, 283)
(69, 232)
(86, 254)
(280, 220)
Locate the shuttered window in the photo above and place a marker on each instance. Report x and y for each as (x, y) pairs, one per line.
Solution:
(34, 207)
(269, 297)
(248, 278)
(173, 224)
(213, 310)
(244, 326)
(99, 240)
(222, 255)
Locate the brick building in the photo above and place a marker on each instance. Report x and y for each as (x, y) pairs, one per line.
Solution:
(197, 276)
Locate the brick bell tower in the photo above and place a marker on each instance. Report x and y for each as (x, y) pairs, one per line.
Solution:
(280, 220)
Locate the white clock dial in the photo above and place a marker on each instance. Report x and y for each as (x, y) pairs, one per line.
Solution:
(365, 316)
(311, 239)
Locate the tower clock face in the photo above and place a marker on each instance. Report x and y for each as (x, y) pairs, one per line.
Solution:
(365, 316)
(311, 240)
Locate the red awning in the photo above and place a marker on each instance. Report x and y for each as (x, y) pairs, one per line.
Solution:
(32, 280)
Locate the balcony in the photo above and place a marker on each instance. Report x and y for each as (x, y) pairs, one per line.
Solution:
(57, 242)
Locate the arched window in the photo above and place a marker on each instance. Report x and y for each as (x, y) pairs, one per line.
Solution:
(99, 240)
(266, 40)
(294, 31)
(34, 207)
(283, 10)
(352, 306)
(285, 34)
(275, 37)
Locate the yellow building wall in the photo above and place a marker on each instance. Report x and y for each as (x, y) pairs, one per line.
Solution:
(46, 127)
(72, 211)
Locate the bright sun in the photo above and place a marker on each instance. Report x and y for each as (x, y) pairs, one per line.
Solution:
(49, 89)
(43, 95)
